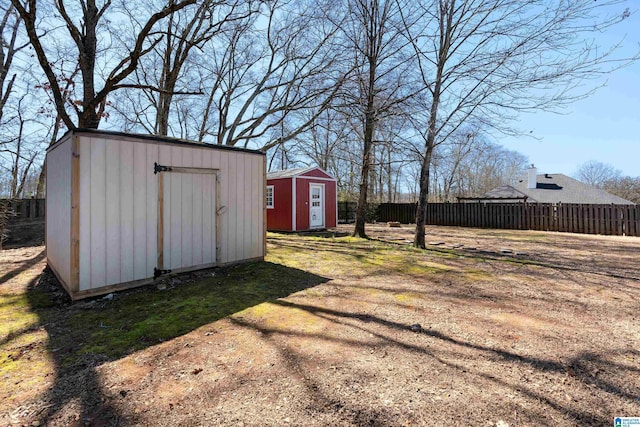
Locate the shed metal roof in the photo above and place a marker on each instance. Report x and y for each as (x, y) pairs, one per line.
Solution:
(289, 173)
(156, 138)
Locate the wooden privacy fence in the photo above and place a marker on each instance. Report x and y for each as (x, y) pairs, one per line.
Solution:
(574, 218)
(347, 212)
(401, 212)
(24, 209)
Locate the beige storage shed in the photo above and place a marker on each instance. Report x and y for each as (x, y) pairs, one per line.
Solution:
(124, 209)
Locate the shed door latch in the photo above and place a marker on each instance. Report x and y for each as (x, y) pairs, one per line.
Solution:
(157, 272)
(159, 168)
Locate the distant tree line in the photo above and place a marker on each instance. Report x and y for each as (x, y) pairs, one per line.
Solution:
(606, 177)
(398, 99)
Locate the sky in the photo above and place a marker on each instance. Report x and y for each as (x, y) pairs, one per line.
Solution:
(604, 127)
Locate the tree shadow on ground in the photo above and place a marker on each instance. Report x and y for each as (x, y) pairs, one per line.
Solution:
(584, 367)
(85, 334)
(25, 265)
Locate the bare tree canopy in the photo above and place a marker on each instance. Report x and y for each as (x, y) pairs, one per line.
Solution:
(626, 187)
(102, 61)
(488, 60)
(400, 100)
(597, 173)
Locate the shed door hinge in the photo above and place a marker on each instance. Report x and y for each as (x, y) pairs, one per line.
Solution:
(157, 272)
(159, 168)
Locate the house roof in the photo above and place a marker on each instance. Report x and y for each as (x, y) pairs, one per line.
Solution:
(556, 188)
(505, 192)
(289, 173)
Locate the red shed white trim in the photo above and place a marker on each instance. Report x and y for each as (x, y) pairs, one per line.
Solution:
(302, 199)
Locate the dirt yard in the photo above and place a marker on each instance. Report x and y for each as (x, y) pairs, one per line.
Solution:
(485, 328)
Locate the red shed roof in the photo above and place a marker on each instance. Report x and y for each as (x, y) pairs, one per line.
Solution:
(289, 173)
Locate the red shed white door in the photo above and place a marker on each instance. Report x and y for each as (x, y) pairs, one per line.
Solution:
(316, 210)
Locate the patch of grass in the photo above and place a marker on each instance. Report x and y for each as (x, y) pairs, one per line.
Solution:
(18, 354)
(16, 316)
(407, 297)
(135, 320)
(355, 256)
(477, 275)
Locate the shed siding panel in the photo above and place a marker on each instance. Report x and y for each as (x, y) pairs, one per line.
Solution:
(330, 208)
(222, 158)
(229, 244)
(214, 159)
(85, 213)
(302, 204)
(112, 208)
(197, 215)
(140, 201)
(257, 207)
(247, 212)
(58, 217)
(279, 218)
(207, 227)
(153, 155)
(126, 212)
(175, 210)
(186, 216)
(98, 251)
(240, 207)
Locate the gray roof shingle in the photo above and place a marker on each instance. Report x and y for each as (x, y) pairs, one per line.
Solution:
(557, 188)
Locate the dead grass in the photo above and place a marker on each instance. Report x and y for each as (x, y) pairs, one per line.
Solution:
(486, 326)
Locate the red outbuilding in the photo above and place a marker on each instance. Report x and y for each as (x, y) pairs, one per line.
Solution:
(301, 199)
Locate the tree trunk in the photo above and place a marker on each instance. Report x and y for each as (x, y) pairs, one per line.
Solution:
(359, 230)
(418, 239)
(87, 45)
(42, 179)
(423, 197)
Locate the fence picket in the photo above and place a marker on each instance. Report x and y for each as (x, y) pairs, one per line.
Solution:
(565, 217)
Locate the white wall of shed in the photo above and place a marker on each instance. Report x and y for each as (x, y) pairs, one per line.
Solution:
(119, 205)
(58, 228)
(118, 211)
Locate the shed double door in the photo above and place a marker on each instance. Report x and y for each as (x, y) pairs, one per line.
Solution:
(187, 219)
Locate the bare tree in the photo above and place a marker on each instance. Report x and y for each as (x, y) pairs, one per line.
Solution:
(380, 84)
(262, 71)
(488, 60)
(82, 20)
(166, 74)
(626, 187)
(485, 167)
(325, 140)
(18, 154)
(10, 45)
(597, 173)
